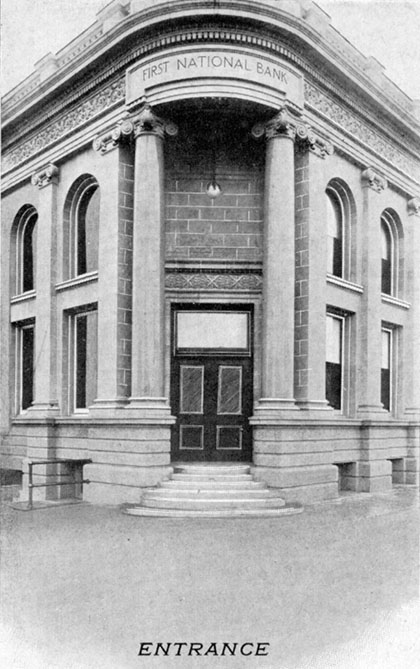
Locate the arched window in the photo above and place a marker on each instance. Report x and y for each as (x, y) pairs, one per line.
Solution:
(26, 250)
(335, 234)
(340, 224)
(81, 219)
(391, 249)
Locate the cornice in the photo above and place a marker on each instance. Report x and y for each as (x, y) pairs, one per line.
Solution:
(113, 94)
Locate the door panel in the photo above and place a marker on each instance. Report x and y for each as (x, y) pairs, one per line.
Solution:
(212, 399)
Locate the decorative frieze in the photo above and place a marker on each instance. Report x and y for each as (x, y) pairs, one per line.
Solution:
(213, 281)
(371, 179)
(413, 206)
(46, 176)
(104, 99)
(360, 130)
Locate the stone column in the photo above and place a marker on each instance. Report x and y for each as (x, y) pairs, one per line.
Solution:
(311, 263)
(147, 387)
(277, 399)
(369, 327)
(115, 270)
(45, 402)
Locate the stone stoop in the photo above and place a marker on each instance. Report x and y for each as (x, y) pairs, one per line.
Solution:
(211, 490)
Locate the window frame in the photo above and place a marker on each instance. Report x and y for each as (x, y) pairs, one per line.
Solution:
(337, 205)
(20, 382)
(391, 331)
(77, 205)
(387, 222)
(343, 348)
(72, 370)
(26, 218)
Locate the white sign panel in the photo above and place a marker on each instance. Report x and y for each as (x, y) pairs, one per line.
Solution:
(215, 64)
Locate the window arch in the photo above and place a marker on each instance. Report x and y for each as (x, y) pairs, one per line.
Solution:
(81, 223)
(341, 214)
(24, 240)
(391, 253)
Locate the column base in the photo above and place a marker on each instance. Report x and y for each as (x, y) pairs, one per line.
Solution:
(371, 411)
(270, 409)
(314, 405)
(149, 409)
(44, 410)
(108, 408)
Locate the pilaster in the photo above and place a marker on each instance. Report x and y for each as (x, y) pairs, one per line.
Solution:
(369, 323)
(45, 404)
(115, 270)
(310, 270)
(412, 348)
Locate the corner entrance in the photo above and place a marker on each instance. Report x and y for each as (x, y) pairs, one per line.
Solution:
(211, 384)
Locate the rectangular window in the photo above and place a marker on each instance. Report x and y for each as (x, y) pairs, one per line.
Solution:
(386, 368)
(25, 343)
(84, 359)
(334, 361)
(215, 330)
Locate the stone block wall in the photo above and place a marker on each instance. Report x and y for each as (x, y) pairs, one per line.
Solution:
(228, 227)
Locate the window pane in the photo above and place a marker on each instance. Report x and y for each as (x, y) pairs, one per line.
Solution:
(191, 390)
(386, 262)
(229, 399)
(334, 334)
(27, 366)
(386, 349)
(85, 359)
(335, 236)
(212, 330)
(333, 385)
(87, 229)
(28, 251)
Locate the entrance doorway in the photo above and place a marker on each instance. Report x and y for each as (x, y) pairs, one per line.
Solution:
(211, 384)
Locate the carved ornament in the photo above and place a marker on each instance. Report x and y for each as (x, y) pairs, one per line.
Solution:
(122, 132)
(46, 176)
(213, 281)
(146, 122)
(413, 206)
(284, 125)
(371, 179)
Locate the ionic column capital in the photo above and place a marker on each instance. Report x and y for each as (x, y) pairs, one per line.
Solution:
(109, 140)
(284, 125)
(46, 176)
(372, 179)
(413, 206)
(147, 122)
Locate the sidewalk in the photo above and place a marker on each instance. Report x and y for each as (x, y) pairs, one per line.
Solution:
(83, 586)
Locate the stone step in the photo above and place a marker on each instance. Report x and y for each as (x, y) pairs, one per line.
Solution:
(206, 484)
(212, 470)
(264, 512)
(206, 504)
(198, 493)
(211, 477)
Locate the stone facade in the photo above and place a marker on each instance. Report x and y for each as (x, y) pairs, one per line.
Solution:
(119, 151)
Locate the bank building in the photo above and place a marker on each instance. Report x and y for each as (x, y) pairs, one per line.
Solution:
(210, 261)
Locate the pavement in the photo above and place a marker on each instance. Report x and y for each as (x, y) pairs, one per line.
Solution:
(335, 587)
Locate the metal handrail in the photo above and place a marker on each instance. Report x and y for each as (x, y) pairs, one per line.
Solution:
(54, 461)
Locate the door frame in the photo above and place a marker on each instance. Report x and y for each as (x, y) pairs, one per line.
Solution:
(195, 354)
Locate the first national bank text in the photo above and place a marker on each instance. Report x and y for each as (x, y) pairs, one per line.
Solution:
(214, 649)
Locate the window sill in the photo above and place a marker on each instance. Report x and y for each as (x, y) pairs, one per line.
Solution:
(77, 281)
(395, 301)
(343, 283)
(22, 297)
